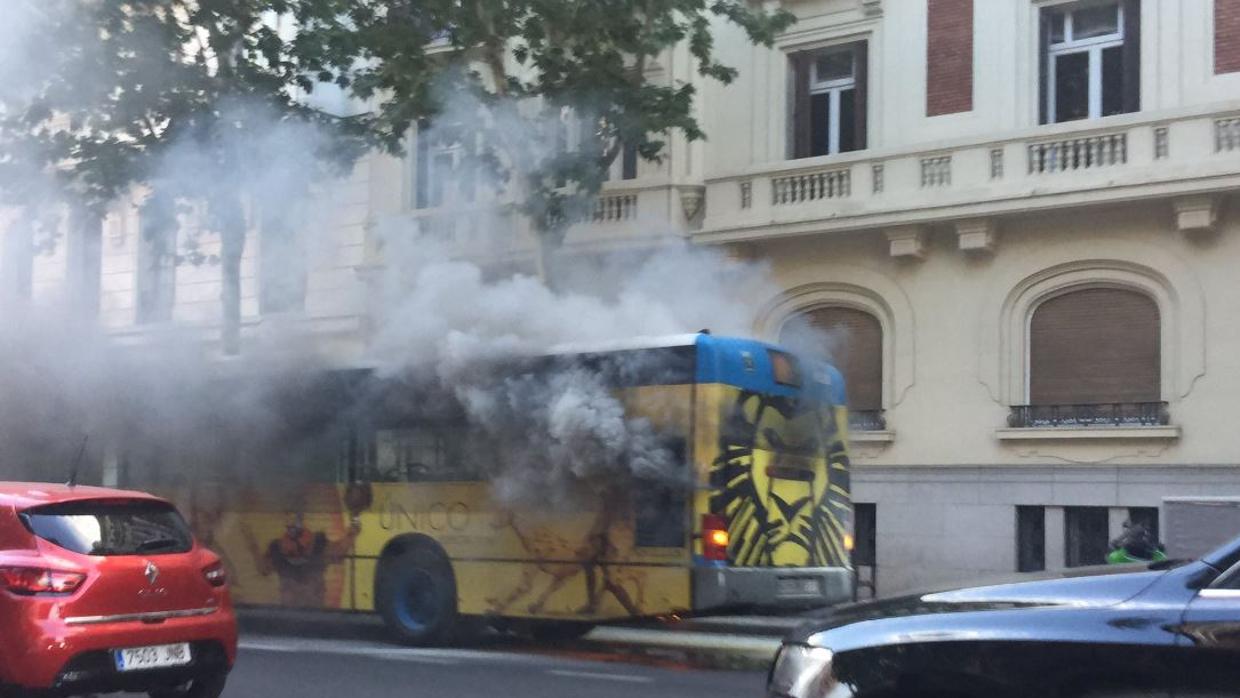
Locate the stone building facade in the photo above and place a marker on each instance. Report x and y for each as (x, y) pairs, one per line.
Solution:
(1016, 218)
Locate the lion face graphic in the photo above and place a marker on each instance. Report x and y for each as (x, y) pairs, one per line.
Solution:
(781, 481)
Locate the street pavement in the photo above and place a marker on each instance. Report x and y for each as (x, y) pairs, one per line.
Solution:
(282, 665)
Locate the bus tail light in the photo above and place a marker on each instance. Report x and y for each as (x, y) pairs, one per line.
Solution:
(715, 537)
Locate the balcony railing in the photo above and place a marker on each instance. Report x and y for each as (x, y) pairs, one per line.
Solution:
(1072, 154)
(615, 208)
(1106, 414)
(1227, 135)
(811, 186)
(867, 420)
(1112, 160)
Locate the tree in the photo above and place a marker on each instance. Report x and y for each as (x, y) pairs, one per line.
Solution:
(176, 95)
(527, 62)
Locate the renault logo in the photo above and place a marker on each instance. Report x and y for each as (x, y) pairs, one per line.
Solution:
(152, 573)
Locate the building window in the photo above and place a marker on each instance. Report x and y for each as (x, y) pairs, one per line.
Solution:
(1030, 539)
(156, 272)
(865, 534)
(852, 340)
(625, 166)
(281, 267)
(442, 173)
(1086, 536)
(1090, 64)
(1095, 356)
(829, 100)
(628, 162)
(18, 260)
(84, 258)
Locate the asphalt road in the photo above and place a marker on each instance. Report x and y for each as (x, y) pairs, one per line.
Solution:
(275, 666)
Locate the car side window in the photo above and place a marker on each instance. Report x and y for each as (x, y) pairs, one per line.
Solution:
(1229, 579)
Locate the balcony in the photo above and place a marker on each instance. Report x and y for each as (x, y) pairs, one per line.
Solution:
(867, 420)
(1109, 414)
(1108, 420)
(1112, 160)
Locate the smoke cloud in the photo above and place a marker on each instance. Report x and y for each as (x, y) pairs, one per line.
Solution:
(461, 329)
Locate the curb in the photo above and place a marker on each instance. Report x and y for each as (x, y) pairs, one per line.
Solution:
(711, 642)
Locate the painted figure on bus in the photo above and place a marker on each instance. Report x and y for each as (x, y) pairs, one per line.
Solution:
(774, 476)
(563, 559)
(300, 559)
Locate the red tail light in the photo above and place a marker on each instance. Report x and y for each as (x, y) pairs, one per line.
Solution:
(215, 574)
(34, 580)
(715, 537)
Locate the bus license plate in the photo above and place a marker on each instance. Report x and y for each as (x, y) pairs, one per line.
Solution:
(153, 657)
(799, 586)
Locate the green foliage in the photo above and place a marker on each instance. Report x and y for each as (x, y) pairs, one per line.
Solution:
(125, 83)
(590, 57)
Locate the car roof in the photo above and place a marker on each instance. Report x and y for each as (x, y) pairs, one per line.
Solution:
(23, 495)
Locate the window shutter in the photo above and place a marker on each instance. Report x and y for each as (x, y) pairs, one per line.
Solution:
(1044, 42)
(861, 92)
(855, 346)
(1132, 55)
(1097, 345)
(801, 126)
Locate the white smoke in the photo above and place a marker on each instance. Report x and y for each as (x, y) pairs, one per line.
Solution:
(457, 325)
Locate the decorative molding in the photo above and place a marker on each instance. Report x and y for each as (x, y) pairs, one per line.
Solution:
(692, 199)
(872, 8)
(1155, 271)
(977, 236)
(1196, 214)
(872, 437)
(862, 289)
(1087, 433)
(907, 241)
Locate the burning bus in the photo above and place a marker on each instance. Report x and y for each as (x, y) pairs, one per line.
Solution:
(719, 479)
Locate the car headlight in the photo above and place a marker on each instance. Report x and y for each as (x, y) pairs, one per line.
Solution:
(801, 671)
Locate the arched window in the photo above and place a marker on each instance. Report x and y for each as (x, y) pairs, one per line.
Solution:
(853, 340)
(1095, 345)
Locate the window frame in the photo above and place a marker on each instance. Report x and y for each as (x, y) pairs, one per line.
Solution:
(803, 69)
(1093, 48)
(430, 188)
(834, 89)
(155, 283)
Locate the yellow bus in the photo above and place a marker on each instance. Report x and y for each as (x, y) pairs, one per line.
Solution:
(387, 515)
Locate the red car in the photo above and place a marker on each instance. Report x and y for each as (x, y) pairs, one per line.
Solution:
(105, 590)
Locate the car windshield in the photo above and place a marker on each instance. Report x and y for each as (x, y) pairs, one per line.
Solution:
(111, 528)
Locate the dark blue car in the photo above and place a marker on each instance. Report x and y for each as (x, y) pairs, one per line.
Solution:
(1171, 630)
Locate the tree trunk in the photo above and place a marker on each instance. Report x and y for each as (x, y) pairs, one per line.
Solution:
(85, 261)
(546, 259)
(230, 219)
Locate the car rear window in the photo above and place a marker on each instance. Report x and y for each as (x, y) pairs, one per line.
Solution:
(124, 527)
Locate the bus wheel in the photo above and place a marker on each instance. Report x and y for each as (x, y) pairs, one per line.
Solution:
(416, 596)
(559, 631)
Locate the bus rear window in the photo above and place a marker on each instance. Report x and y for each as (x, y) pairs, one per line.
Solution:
(784, 368)
(126, 527)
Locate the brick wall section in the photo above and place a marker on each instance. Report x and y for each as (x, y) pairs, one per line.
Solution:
(949, 56)
(1226, 36)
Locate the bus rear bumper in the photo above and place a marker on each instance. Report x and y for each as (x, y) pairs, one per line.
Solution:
(770, 587)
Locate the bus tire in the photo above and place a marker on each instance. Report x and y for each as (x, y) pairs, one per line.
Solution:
(416, 595)
(559, 631)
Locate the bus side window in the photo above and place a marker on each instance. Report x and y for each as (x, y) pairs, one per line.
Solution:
(423, 453)
(659, 503)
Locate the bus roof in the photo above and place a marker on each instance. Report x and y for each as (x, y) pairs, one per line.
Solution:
(748, 364)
